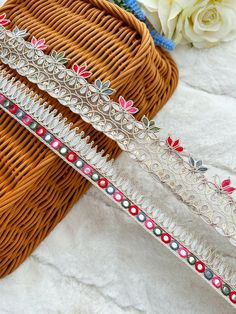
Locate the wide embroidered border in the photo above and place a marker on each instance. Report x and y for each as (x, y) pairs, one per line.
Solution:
(210, 200)
(52, 130)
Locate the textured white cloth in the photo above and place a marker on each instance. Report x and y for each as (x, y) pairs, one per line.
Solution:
(98, 260)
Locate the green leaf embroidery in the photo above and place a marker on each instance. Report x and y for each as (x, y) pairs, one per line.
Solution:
(150, 125)
(59, 56)
(155, 129)
(145, 121)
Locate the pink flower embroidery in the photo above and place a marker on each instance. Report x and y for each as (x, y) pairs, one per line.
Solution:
(226, 186)
(40, 44)
(81, 71)
(3, 20)
(127, 105)
(174, 144)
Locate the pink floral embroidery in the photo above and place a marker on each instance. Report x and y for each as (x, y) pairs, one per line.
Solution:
(226, 186)
(127, 105)
(174, 144)
(3, 20)
(81, 71)
(40, 44)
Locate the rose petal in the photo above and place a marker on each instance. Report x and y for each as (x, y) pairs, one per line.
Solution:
(229, 190)
(85, 74)
(43, 47)
(179, 149)
(41, 42)
(129, 104)
(82, 69)
(33, 41)
(169, 140)
(176, 143)
(132, 110)
(226, 183)
(2, 16)
(122, 101)
(4, 22)
(75, 67)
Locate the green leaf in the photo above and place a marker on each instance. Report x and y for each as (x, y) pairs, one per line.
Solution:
(191, 161)
(61, 55)
(54, 54)
(63, 61)
(203, 169)
(155, 129)
(145, 120)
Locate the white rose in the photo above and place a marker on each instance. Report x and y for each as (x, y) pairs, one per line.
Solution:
(163, 14)
(208, 23)
(203, 23)
(150, 8)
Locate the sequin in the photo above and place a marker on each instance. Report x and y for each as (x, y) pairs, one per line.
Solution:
(87, 170)
(95, 176)
(141, 217)
(48, 137)
(174, 245)
(55, 143)
(191, 260)
(157, 231)
(80, 163)
(183, 252)
(103, 183)
(125, 203)
(133, 210)
(208, 274)
(13, 108)
(63, 150)
(232, 297)
(6, 103)
(33, 125)
(225, 289)
(40, 131)
(149, 224)
(217, 282)
(20, 114)
(200, 266)
(118, 196)
(71, 156)
(166, 238)
(27, 120)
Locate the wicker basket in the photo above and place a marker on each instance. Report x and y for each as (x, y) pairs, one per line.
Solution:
(37, 188)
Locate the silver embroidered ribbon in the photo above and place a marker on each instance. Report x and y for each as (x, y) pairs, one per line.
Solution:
(58, 126)
(139, 139)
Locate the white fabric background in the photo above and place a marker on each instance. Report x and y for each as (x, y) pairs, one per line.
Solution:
(98, 260)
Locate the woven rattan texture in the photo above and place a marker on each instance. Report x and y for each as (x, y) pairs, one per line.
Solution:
(37, 188)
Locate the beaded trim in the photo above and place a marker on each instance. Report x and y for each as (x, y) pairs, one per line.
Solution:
(210, 200)
(62, 139)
